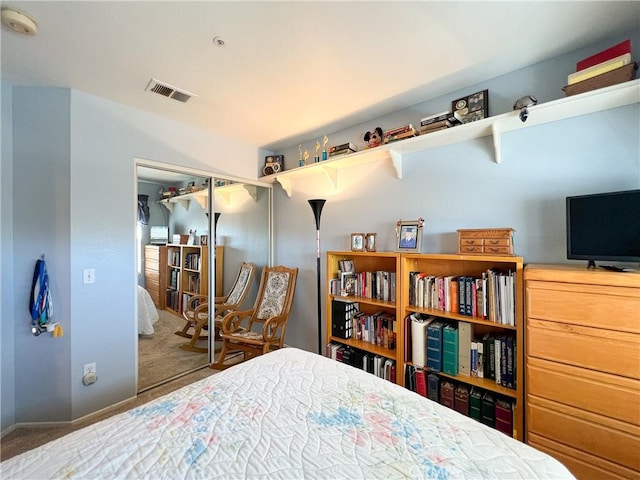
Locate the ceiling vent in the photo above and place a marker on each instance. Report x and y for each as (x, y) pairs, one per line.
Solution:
(169, 91)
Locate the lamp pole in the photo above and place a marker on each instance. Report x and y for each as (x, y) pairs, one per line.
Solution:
(316, 206)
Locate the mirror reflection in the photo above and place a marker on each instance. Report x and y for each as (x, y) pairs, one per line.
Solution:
(187, 259)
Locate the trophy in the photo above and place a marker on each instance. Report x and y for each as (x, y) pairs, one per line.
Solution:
(306, 156)
(325, 140)
(300, 160)
(316, 159)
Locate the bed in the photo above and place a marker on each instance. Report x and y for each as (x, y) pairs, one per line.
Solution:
(147, 313)
(287, 414)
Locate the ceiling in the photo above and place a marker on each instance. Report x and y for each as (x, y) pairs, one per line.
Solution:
(290, 71)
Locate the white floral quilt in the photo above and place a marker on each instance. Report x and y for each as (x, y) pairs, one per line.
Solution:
(286, 415)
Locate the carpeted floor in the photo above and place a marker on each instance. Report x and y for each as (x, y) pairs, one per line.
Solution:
(159, 355)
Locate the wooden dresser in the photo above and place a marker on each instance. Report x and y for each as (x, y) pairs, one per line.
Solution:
(582, 364)
(155, 261)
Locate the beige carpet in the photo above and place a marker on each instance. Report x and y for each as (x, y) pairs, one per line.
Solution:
(159, 355)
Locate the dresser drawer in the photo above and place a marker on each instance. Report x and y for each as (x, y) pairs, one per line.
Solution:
(612, 308)
(152, 252)
(151, 265)
(564, 425)
(471, 241)
(609, 395)
(582, 465)
(597, 349)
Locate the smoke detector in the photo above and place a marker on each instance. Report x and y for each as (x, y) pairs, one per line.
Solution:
(19, 21)
(169, 91)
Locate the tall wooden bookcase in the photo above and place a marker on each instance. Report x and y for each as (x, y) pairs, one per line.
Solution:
(187, 274)
(367, 262)
(437, 265)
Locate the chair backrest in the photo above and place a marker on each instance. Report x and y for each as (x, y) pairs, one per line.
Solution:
(241, 285)
(275, 296)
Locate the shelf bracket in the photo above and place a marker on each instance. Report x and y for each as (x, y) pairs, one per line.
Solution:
(184, 203)
(332, 176)
(286, 185)
(202, 201)
(169, 206)
(497, 142)
(252, 190)
(225, 196)
(396, 161)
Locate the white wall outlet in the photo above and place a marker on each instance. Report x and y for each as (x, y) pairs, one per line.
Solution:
(89, 368)
(89, 275)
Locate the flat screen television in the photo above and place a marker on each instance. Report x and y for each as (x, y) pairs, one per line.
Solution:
(604, 226)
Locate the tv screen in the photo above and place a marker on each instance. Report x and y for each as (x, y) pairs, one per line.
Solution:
(604, 226)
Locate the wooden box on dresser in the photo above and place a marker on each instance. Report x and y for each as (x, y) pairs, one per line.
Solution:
(457, 266)
(366, 262)
(583, 368)
(155, 271)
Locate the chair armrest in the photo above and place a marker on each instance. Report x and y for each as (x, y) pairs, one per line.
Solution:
(232, 321)
(220, 299)
(191, 302)
(271, 326)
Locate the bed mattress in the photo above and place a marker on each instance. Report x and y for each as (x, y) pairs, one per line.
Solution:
(288, 414)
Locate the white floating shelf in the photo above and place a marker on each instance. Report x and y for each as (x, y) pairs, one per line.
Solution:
(615, 96)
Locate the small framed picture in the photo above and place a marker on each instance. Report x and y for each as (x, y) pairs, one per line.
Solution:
(357, 242)
(204, 239)
(370, 242)
(409, 234)
(346, 266)
(348, 282)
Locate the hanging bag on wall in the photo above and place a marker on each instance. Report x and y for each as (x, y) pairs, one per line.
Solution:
(40, 303)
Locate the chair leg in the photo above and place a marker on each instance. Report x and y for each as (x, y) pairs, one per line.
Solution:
(185, 329)
(219, 365)
(191, 346)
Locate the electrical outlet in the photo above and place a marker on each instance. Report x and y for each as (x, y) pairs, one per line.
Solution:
(89, 368)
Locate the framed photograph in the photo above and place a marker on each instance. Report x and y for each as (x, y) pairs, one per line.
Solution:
(346, 266)
(204, 239)
(472, 107)
(370, 242)
(348, 283)
(357, 242)
(409, 235)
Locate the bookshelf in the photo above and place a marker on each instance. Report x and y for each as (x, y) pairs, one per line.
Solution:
(187, 274)
(627, 93)
(442, 265)
(366, 262)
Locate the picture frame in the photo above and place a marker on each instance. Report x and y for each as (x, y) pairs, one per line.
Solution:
(204, 239)
(346, 266)
(472, 107)
(370, 242)
(357, 242)
(348, 282)
(409, 235)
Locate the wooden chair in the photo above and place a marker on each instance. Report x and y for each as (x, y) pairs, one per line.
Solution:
(241, 330)
(196, 311)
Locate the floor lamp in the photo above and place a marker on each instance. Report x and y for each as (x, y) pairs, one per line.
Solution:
(316, 206)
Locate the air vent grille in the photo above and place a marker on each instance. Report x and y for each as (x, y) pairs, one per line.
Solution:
(169, 91)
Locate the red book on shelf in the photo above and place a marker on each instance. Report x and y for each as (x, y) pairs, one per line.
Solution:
(611, 52)
(421, 382)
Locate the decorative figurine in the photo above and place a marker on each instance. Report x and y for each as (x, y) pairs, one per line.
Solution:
(374, 139)
(306, 156)
(522, 104)
(325, 140)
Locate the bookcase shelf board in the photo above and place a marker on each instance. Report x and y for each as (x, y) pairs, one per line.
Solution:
(619, 95)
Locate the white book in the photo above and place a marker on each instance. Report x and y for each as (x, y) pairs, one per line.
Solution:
(419, 340)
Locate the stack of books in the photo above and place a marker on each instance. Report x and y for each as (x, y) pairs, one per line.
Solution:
(342, 149)
(608, 67)
(438, 121)
(400, 133)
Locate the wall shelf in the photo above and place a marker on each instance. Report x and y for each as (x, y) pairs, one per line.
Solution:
(622, 94)
(224, 193)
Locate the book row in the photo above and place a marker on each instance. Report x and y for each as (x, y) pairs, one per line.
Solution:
(173, 258)
(486, 407)
(380, 285)
(347, 321)
(452, 348)
(490, 296)
(376, 364)
(192, 261)
(173, 300)
(193, 282)
(174, 279)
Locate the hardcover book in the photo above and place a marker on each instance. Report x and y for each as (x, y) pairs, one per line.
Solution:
(461, 399)
(450, 350)
(447, 394)
(434, 346)
(607, 54)
(433, 387)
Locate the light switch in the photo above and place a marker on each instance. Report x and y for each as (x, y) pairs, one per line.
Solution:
(89, 275)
